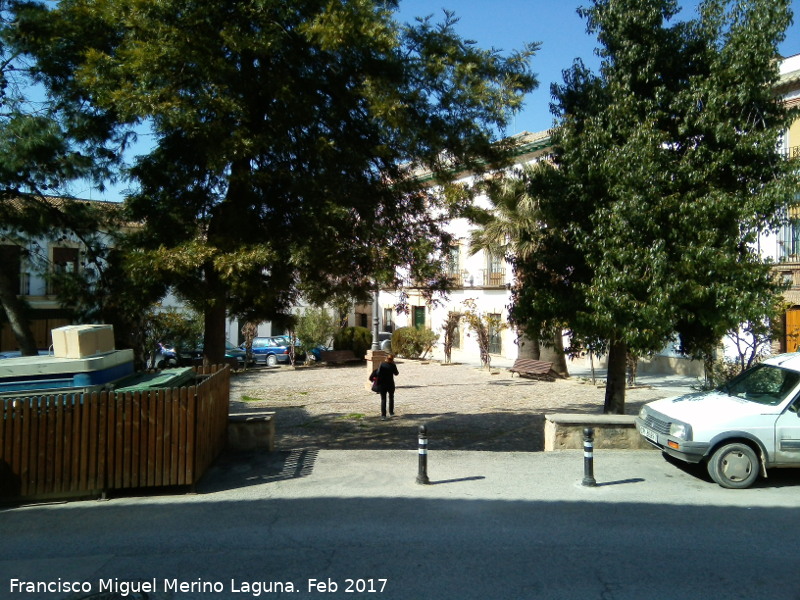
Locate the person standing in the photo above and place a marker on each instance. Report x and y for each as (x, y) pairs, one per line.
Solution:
(385, 378)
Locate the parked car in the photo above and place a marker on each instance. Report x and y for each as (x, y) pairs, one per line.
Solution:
(739, 430)
(269, 350)
(316, 352)
(166, 357)
(385, 339)
(185, 356)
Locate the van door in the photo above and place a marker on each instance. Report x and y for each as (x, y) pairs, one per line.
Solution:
(787, 436)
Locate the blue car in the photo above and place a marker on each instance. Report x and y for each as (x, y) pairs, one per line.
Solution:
(270, 351)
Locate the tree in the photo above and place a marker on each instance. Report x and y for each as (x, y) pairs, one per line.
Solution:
(45, 144)
(484, 326)
(508, 229)
(450, 330)
(665, 169)
(315, 328)
(285, 133)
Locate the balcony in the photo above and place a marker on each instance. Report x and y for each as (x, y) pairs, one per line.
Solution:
(482, 278)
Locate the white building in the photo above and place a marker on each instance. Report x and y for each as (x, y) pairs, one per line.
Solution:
(484, 279)
(487, 281)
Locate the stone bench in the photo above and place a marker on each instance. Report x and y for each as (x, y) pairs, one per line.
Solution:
(565, 432)
(338, 357)
(252, 431)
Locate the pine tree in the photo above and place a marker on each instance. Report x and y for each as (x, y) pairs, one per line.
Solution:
(284, 136)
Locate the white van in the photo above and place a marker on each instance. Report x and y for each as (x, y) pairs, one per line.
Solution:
(745, 427)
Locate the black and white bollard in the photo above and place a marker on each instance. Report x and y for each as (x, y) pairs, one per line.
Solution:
(588, 458)
(422, 474)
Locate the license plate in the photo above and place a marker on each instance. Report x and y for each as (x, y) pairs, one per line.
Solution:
(648, 433)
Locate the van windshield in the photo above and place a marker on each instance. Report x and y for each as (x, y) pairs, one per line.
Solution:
(764, 384)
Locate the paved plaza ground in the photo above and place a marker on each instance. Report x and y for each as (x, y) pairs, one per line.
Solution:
(464, 407)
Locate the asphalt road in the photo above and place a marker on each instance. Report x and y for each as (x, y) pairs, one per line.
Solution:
(490, 525)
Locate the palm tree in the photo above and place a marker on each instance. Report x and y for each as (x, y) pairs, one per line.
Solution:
(508, 228)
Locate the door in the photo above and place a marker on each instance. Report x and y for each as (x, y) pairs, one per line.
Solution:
(419, 317)
(787, 435)
(792, 329)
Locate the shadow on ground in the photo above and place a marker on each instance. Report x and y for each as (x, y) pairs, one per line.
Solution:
(239, 469)
(493, 431)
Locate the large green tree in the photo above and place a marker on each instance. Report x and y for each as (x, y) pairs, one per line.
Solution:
(284, 134)
(665, 169)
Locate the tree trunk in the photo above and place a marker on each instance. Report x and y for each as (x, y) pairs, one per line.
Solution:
(214, 338)
(559, 358)
(615, 382)
(214, 321)
(15, 313)
(553, 351)
(528, 346)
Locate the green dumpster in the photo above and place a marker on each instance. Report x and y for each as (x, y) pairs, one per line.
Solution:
(167, 378)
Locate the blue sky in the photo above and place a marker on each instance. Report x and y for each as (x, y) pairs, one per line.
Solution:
(507, 25)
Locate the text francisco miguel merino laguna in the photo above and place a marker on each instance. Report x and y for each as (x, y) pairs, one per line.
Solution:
(253, 588)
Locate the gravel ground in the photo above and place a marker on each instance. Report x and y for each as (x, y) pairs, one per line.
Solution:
(462, 406)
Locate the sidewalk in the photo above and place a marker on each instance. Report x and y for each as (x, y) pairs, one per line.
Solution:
(637, 476)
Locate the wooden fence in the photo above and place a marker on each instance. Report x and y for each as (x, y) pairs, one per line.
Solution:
(88, 444)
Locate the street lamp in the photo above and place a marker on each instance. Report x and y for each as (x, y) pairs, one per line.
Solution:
(376, 344)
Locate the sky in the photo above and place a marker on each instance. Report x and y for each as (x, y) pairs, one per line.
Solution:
(508, 25)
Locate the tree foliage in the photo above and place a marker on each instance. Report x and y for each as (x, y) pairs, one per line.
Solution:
(357, 339)
(284, 136)
(315, 327)
(45, 144)
(665, 169)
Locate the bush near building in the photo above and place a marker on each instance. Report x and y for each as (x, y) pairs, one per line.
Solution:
(412, 342)
(357, 339)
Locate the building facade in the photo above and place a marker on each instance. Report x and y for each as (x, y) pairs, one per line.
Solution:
(29, 260)
(784, 247)
(480, 281)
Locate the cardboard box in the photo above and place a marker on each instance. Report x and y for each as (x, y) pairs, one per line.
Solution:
(79, 341)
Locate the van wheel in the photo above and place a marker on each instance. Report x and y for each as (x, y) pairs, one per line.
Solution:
(734, 466)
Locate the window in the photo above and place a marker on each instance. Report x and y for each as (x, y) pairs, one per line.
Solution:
(790, 236)
(495, 270)
(454, 262)
(388, 319)
(763, 384)
(457, 337)
(65, 260)
(495, 335)
(11, 259)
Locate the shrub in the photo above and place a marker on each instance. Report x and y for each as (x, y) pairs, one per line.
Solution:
(357, 339)
(314, 328)
(412, 342)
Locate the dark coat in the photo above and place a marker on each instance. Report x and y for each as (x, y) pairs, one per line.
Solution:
(385, 374)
